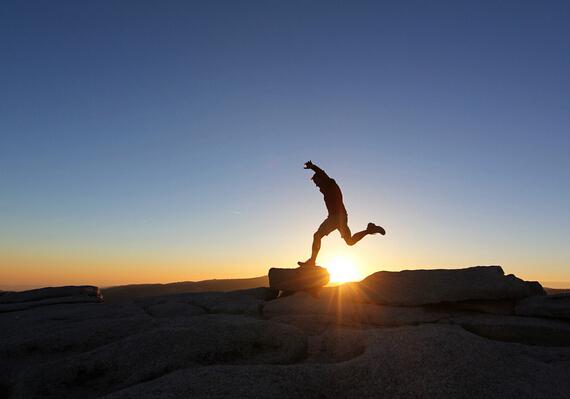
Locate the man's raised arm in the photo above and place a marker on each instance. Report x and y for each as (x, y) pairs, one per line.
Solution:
(315, 168)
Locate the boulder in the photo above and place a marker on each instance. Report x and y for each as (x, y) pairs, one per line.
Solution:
(534, 288)
(503, 306)
(555, 306)
(423, 287)
(525, 330)
(299, 279)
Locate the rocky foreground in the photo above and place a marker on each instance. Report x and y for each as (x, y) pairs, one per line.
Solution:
(466, 333)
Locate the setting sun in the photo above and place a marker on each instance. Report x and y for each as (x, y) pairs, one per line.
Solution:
(342, 269)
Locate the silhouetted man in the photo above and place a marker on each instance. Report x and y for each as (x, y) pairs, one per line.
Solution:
(337, 219)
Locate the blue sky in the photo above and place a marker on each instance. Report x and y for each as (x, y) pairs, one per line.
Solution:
(169, 137)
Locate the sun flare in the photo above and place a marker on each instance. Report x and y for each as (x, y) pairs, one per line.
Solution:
(342, 269)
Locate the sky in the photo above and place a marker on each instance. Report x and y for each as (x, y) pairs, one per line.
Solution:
(145, 141)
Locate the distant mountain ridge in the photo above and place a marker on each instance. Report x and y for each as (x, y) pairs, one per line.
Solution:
(124, 293)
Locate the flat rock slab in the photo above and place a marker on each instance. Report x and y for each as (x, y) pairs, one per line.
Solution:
(424, 287)
(247, 302)
(554, 306)
(500, 306)
(330, 308)
(13, 307)
(23, 300)
(43, 334)
(224, 339)
(431, 361)
(174, 309)
(299, 279)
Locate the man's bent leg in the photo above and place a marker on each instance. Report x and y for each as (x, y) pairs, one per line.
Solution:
(353, 239)
(346, 234)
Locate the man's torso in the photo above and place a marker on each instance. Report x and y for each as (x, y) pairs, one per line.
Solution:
(333, 198)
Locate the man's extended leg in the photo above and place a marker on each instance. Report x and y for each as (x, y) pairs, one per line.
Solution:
(316, 247)
(328, 226)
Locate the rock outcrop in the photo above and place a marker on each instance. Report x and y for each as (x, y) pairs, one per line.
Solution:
(423, 287)
(299, 279)
(39, 294)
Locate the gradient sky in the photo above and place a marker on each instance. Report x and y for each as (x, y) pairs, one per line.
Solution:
(145, 141)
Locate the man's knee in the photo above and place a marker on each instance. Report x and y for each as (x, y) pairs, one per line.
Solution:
(349, 241)
(318, 236)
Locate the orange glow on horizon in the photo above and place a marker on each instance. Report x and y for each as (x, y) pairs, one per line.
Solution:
(41, 268)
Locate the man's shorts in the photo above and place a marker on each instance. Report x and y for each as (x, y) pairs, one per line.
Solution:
(338, 221)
